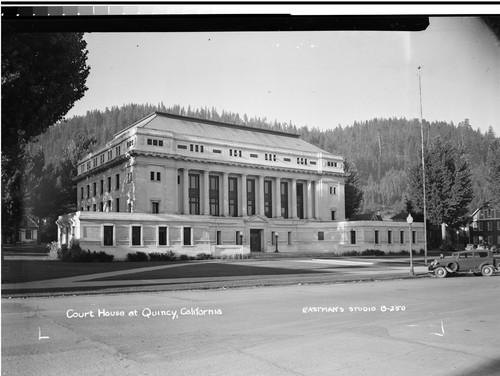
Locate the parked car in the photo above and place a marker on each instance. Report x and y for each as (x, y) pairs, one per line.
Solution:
(477, 261)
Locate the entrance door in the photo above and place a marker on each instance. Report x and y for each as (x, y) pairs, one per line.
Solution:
(255, 240)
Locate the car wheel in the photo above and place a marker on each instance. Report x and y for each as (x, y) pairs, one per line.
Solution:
(487, 270)
(441, 272)
(453, 266)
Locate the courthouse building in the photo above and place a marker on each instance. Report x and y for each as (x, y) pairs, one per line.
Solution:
(174, 183)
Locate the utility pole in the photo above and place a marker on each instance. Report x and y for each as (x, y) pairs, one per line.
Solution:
(423, 167)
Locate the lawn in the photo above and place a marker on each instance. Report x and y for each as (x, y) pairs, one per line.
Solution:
(18, 271)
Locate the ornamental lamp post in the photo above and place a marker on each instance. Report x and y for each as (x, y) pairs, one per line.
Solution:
(276, 241)
(241, 238)
(409, 220)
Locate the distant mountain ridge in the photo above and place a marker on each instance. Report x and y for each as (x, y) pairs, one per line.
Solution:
(382, 149)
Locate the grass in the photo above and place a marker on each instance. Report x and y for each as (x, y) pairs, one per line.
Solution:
(19, 271)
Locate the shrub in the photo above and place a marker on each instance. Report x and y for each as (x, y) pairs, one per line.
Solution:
(53, 251)
(350, 253)
(373, 252)
(186, 258)
(204, 256)
(158, 256)
(137, 256)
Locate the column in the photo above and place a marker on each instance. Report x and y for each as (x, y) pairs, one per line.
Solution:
(185, 191)
(225, 194)
(260, 195)
(243, 195)
(206, 197)
(317, 195)
(309, 200)
(294, 199)
(278, 198)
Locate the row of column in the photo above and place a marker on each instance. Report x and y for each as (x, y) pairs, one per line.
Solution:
(310, 204)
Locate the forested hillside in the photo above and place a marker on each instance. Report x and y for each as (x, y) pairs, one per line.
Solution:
(382, 149)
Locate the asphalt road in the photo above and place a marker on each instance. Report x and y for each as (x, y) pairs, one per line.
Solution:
(403, 327)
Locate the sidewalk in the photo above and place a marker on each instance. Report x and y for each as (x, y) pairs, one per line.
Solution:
(217, 274)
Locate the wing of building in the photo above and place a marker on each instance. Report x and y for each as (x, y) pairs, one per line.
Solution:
(194, 186)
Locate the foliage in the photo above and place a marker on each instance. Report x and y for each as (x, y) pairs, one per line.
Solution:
(373, 252)
(381, 149)
(137, 256)
(53, 251)
(204, 256)
(43, 74)
(448, 185)
(75, 254)
(353, 192)
(493, 174)
(167, 256)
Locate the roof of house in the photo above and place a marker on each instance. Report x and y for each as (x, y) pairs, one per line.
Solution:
(28, 222)
(223, 132)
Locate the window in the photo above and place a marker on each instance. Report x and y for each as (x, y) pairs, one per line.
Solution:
(187, 235)
(155, 176)
(94, 207)
(219, 237)
(117, 181)
(109, 183)
(150, 141)
(155, 207)
(129, 177)
(490, 226)
(82, 194)
(333, 190)
(28, 234)
(273, 238)
(136, 235)
(289, 238)
(284, 199)
(155, 142)
(158, 176)
(214, 195)
(300, 201)
(102, 186)
(101, 206)
(332, 215)
(414, 237)
(353, 236)
(129, 207)
(162, 235)
(239, 238)
(110, 154)
(389, 236)
(94, 188)
(194, 194)
(498, 225)
(108, 209)
(181, 146)
(117, 205)
(108, 238)
(321, 235)
(217, 151)
(88, 190)
(152, 175)
(118, 150)
(250, 197)
(401, 236)
(254, 155)
(377, 241)
(268, 199)
(480, 226)
(233, 197)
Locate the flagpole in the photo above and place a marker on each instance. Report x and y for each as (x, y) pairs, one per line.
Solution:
(423, 167)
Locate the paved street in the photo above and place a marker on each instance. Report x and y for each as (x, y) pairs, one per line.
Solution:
(413, 327)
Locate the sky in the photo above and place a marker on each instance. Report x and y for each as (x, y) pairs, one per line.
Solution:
(320, 79)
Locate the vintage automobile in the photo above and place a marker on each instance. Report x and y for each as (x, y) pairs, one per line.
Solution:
(477, 261)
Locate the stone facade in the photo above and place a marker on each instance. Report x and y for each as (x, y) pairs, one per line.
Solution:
(194, 186)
